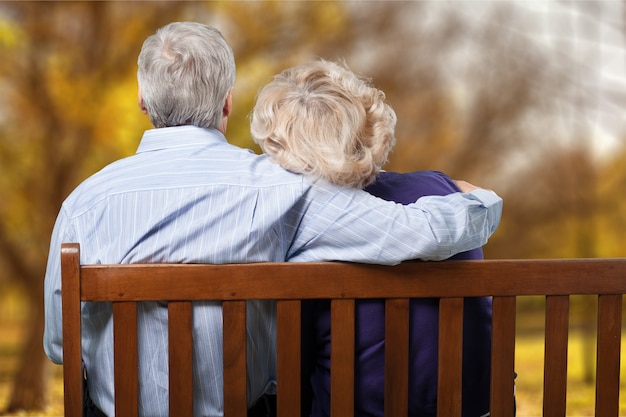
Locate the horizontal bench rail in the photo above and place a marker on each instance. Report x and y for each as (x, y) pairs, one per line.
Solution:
(346, 280)
(343, 284)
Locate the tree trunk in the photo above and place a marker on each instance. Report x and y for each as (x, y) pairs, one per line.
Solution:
(29, 384)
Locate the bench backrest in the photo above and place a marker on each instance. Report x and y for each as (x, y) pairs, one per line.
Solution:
(504, 280)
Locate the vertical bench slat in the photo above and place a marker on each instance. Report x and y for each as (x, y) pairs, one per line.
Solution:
(125, 353)
(396, 357)
(449, 382)
(342, 358)
(180, 358)
(235, 372)
(555, 359)
(72, 352)
(288, 360)
(503, 357)
(608, 355)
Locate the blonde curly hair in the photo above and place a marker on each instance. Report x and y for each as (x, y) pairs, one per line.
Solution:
(321, 119)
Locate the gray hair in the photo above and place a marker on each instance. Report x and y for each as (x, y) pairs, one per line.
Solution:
(185, 71)
(321, 119)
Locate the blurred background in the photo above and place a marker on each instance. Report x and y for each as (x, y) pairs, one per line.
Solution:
(523, 97)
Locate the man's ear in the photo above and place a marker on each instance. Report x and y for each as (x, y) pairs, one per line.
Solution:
(142, 107)
(228, 107)
(228, 104)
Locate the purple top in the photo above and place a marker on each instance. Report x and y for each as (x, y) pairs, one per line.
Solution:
(424, 318)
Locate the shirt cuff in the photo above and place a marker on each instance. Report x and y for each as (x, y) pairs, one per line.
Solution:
(488, 198)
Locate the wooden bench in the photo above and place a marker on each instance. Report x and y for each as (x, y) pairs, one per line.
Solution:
(504, 280)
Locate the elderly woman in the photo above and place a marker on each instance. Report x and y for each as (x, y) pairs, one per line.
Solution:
(322, 120)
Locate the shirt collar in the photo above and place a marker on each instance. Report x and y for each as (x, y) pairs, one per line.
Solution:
(178, 137)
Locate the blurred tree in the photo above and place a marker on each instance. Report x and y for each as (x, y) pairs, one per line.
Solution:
(612, 221)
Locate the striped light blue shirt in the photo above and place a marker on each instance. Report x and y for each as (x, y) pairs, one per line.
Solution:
(189, 196)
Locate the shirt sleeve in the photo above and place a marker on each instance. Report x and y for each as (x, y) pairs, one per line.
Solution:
(53, 330)
(351, 225)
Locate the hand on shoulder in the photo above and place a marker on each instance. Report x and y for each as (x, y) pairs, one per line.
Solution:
(466, 187)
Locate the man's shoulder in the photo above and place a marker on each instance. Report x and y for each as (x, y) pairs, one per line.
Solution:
(228, 167)
(94, 188)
